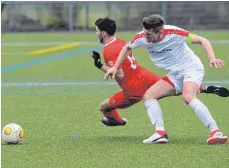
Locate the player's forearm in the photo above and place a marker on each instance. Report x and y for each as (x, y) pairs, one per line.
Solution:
(208, 48)
(123, 54)
(205, 43)
(119, 74)
(104, 68)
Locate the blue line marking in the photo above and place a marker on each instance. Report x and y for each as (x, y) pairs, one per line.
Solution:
(75, 135)
(50, 59)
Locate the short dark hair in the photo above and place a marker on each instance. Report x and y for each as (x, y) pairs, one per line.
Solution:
(153, 21)
(106, 24)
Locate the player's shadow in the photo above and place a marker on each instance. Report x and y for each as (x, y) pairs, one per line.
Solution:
(179, 140)
(187, 140)
(10, 144)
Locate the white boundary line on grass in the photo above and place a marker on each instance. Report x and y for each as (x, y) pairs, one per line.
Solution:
(29, 84)
(40, 84)
(16, 53)
(32, 44)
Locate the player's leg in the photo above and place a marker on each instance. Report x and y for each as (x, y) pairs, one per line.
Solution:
(212, 89)
(117, 101)
(191, 85)
(162, 88)
(109, 111)
(111, 116)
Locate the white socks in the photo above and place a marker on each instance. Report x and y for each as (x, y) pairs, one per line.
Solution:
(155, 113)
(203, 114)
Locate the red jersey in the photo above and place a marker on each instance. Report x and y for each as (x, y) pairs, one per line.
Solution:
(133, 75)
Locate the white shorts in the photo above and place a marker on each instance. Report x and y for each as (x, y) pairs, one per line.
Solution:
(192, 75)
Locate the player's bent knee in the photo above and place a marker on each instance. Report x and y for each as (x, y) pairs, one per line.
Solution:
(105, 108)
(145, 98)
(102, 107)
(148, 96)
(188, 98)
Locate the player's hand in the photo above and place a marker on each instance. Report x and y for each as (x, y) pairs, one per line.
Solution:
(216, 63)
(97, 59)
(110, 72)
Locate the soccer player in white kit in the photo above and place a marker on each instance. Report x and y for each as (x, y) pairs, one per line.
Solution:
(168, 49)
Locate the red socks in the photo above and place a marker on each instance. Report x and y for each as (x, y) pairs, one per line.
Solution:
(113, 114)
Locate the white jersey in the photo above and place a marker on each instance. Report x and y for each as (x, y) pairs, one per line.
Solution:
(171, 53)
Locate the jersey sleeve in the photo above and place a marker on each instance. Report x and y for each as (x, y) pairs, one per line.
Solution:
(181, 35)
(138, 41)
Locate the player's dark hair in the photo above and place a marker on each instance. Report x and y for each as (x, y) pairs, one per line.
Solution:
(106, 24)
(153, 21)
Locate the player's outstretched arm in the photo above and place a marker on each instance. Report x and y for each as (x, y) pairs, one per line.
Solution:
(213, 61)
(104, 67)
(122, 55)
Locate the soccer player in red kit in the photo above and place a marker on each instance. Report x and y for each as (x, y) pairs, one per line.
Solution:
(133, 79)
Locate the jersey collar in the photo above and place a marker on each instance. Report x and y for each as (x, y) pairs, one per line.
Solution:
(111, 41)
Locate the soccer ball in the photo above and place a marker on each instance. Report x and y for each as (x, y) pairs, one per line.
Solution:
(12, 133)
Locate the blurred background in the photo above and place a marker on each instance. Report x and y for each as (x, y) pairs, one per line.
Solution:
(71, 16)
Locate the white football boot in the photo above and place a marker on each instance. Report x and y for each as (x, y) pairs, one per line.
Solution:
(156, 138)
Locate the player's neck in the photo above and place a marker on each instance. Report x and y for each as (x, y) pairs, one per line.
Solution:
(109, 39)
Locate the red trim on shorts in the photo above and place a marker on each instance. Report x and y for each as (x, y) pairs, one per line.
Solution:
(166, 79)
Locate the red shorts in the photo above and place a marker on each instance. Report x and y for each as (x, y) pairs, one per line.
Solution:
(127, 99)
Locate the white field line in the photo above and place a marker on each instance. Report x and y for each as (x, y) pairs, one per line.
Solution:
(32, 44)
(16, 53)
(43, 84)
(38, 44)
(35, 44)
(217, 82)
(29, 84)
